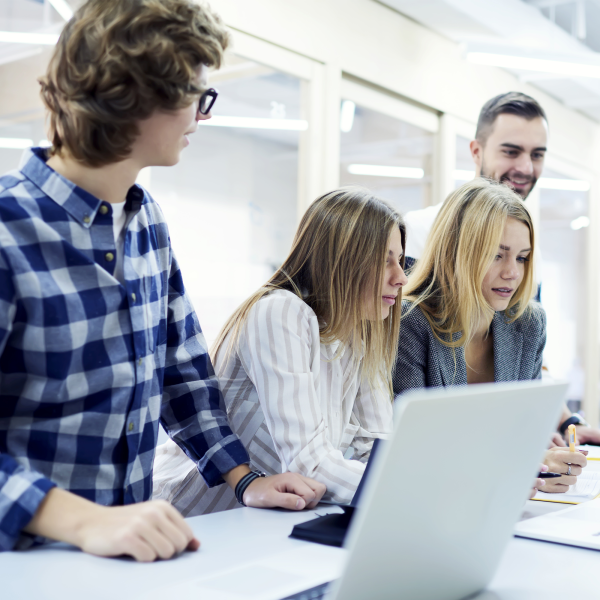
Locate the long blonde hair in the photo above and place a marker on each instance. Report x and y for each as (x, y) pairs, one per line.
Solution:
(446, 283)
(336, 263)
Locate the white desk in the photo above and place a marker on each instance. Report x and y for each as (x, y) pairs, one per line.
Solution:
(529, 569)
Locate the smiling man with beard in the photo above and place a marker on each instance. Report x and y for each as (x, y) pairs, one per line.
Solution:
(510, 147)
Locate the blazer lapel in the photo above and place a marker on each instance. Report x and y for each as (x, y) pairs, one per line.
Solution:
(508, 347)
(453, 368)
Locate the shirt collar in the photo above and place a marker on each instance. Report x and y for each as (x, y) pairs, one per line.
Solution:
(81, 205)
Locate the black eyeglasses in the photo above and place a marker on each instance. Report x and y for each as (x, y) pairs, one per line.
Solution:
(207, 101)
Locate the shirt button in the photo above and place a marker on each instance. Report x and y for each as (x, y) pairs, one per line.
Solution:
(103, 209)
(140, 361)
(109, 256)
(130, 426)
(86, 219)
(133, 297)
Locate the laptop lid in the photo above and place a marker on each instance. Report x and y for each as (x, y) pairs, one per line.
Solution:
(444, 493)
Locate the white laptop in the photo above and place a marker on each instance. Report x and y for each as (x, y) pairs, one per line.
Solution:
(444, 494)
(438, 508)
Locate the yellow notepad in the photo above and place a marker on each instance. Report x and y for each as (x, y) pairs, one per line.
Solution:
(586, 488)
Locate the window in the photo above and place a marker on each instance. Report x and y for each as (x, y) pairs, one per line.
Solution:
(386, 145)
(231, 202)
(564, 219)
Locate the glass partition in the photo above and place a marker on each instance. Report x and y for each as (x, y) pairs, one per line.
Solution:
(387, 155)
(231, 201)
(564, 218)
(465, 167)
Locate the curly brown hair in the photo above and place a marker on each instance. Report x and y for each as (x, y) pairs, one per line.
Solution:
(116, 62)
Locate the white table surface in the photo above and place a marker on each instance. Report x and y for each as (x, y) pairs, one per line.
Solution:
(528, 570)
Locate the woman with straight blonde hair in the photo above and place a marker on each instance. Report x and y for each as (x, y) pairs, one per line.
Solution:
(305, 362)
(468, 316)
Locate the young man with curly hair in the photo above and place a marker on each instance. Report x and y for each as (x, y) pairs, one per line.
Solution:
(98, 340)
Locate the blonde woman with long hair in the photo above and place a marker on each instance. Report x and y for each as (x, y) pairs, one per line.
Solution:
(468, 313)
(305, 362)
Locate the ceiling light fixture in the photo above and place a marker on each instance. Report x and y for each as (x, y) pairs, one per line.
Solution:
(39, 39)
(256, 123)
(62, 8)
(569, 185)
(347, 116)
(386, 171)
(15, 143)
(580, 223)
(540, 65)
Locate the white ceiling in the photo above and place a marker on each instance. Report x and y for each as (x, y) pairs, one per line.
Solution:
(553, 29)
(550, 29)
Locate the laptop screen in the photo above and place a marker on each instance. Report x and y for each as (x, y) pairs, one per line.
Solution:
(361, 485)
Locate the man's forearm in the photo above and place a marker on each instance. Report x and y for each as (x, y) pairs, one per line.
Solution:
(233, 477)
(61, 515)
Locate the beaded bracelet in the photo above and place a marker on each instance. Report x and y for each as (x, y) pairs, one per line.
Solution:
(243, 483)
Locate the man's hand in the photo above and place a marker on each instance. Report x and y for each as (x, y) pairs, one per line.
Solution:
(146, 531)
(288, 490)
(588, 435)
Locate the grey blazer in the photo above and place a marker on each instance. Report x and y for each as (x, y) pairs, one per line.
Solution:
(423, 361)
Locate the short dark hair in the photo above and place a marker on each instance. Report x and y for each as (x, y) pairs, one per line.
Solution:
(116, 62)
(511, 103)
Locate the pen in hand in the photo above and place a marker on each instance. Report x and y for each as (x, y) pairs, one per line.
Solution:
(548, 475)
(572, 438)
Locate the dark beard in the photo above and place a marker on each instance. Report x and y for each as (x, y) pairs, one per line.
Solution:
(504, 179)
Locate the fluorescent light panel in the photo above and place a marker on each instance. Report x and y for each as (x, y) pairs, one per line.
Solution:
(386, 171)
(539, 65)
(15, 143)
(570, 185)
(62, 8)
(256, 123)
(580, 222)
(39, 39)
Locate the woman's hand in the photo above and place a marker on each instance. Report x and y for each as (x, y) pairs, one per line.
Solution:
(558, 460)
(556, 440)
(538, 483)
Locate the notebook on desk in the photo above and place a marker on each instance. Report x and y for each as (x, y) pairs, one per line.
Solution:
(587, 488)
(573, 526)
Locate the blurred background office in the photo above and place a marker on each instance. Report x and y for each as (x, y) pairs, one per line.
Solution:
(320, 93)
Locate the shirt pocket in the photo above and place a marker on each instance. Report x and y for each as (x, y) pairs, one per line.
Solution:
(347, 437)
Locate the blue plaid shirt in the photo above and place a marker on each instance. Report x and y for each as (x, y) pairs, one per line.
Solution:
(88, 367)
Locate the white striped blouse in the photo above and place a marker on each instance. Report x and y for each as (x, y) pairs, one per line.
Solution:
(295, 405)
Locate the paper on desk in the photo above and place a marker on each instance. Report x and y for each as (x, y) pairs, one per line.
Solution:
(593, 451)
(586, 488)
(575, 526)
